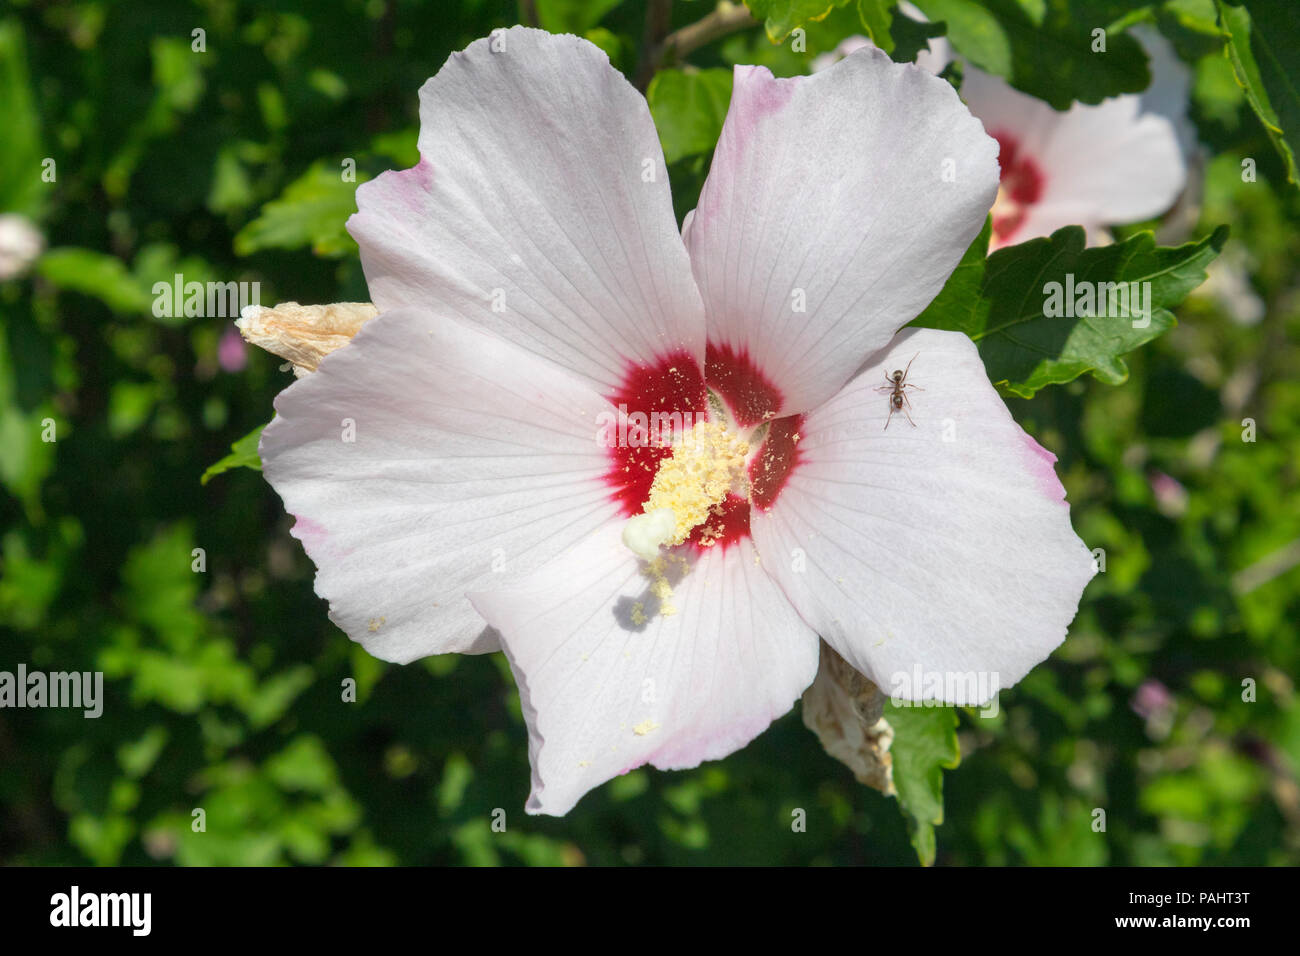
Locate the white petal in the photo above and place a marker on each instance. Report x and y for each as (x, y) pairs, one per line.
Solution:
(949, 556)
(852, 193)
(1171, 84)
(1126, 161)
(603, 694)
(473, 462)
(530, 213)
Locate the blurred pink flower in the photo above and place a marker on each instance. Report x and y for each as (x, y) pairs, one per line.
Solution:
(232, 354)
(1153, 702)
(1171, 496)
(1151, 698)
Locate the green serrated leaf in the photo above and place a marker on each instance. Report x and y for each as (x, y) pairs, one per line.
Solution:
(1008, 304)
(243, 454)
(1054, 53)
(688, 109)
(1267, 67)
(312, 211)
(910, 36)
(925, 744)
(781, 17)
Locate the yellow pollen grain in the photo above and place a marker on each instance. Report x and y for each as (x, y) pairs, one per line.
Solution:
(660, 586)
(375, 623)
(696, 478)
(644, 728)
(689, 488)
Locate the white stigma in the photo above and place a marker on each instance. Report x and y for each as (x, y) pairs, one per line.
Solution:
(645, 534)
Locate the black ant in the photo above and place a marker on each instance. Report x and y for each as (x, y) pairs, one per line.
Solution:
(898, 401)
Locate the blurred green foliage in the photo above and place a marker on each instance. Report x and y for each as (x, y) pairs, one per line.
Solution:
(226, 683)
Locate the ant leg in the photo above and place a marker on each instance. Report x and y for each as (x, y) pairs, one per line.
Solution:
(888, 418)
(909, 418)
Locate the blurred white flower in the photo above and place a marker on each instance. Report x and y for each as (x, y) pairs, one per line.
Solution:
(1227, 283)
(20, 245)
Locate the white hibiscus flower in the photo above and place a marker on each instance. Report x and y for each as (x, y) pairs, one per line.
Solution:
(452, 469)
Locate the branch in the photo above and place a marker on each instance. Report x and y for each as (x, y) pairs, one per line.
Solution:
(727, 18)
(659, 50)
(658, 21)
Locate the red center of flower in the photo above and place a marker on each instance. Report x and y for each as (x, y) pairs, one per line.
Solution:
(1022, 186)
(668, 396)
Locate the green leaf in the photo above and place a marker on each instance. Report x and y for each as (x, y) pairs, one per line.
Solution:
(910, 37)
(304, 765)
(1051, 46)
(1009, 304)
(614, 46)
(973, 30)
(402, 146)
(97, 274)
(1266, 61)
(688, 109)
(231, 189)
(1198, 15)
(313, 210)
(243, 454)
(130, 405)
(781, 17)
(877, 20)
(21, 187)
(177, 73)
(26, 457)
(572, 16)
(179, 85)
(137, 756)
(925, 743)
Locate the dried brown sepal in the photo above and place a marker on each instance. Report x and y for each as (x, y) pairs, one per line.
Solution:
(846, 712)
(303, 334)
